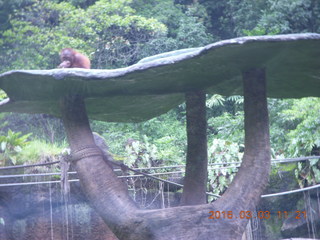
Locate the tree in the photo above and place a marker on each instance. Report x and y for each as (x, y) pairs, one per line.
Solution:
(291, 16)
(231, 18)
(185, 26)
(304, 136)
(109, 32)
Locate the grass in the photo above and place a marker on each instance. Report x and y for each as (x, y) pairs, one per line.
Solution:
(39, 151)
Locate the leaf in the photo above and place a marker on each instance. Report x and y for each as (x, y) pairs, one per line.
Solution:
(223, 171)
(316, 174)
(313, 162)
(215, 100)
(17, 149)
(13, 159)
(3, 146)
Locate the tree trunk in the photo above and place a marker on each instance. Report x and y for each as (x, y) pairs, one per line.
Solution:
(244, 192)
(102, 187)
(110, 198)
(195, 181)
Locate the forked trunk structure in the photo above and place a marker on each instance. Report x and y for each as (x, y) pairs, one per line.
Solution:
(110, 197)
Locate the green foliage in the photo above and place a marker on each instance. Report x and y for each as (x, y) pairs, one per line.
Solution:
(228, 126)
(166, 133)
(42, 126)
(3, 123)
(306, 135)
(34, 40)
(224, 152)
(232, 18)
(217, 100)
(279, 126)
(244, 14)
(185, 26)
(308, 173)
(39, 151)
(3, 95)
(192, 33)
(120, 35)
(10, 146)
(7, 8)
(108, 32)
(82, 3)
(295, 132)
(164, 11)
(140, 154)
(169, 135)
(289, 16)
(294, 124)
(258, 31)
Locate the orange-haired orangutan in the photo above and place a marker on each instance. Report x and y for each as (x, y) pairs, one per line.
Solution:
(73, 59)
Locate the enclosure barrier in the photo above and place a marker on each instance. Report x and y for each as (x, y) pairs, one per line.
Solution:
(139, 173)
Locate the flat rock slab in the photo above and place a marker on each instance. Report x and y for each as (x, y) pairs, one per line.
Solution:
(157, 84)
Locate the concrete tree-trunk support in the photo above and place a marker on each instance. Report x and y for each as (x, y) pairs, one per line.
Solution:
(245, 191)
(195, 181)
(110, 197)
(106, 194)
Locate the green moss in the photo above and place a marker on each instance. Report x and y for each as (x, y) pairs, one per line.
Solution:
(287, 167)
